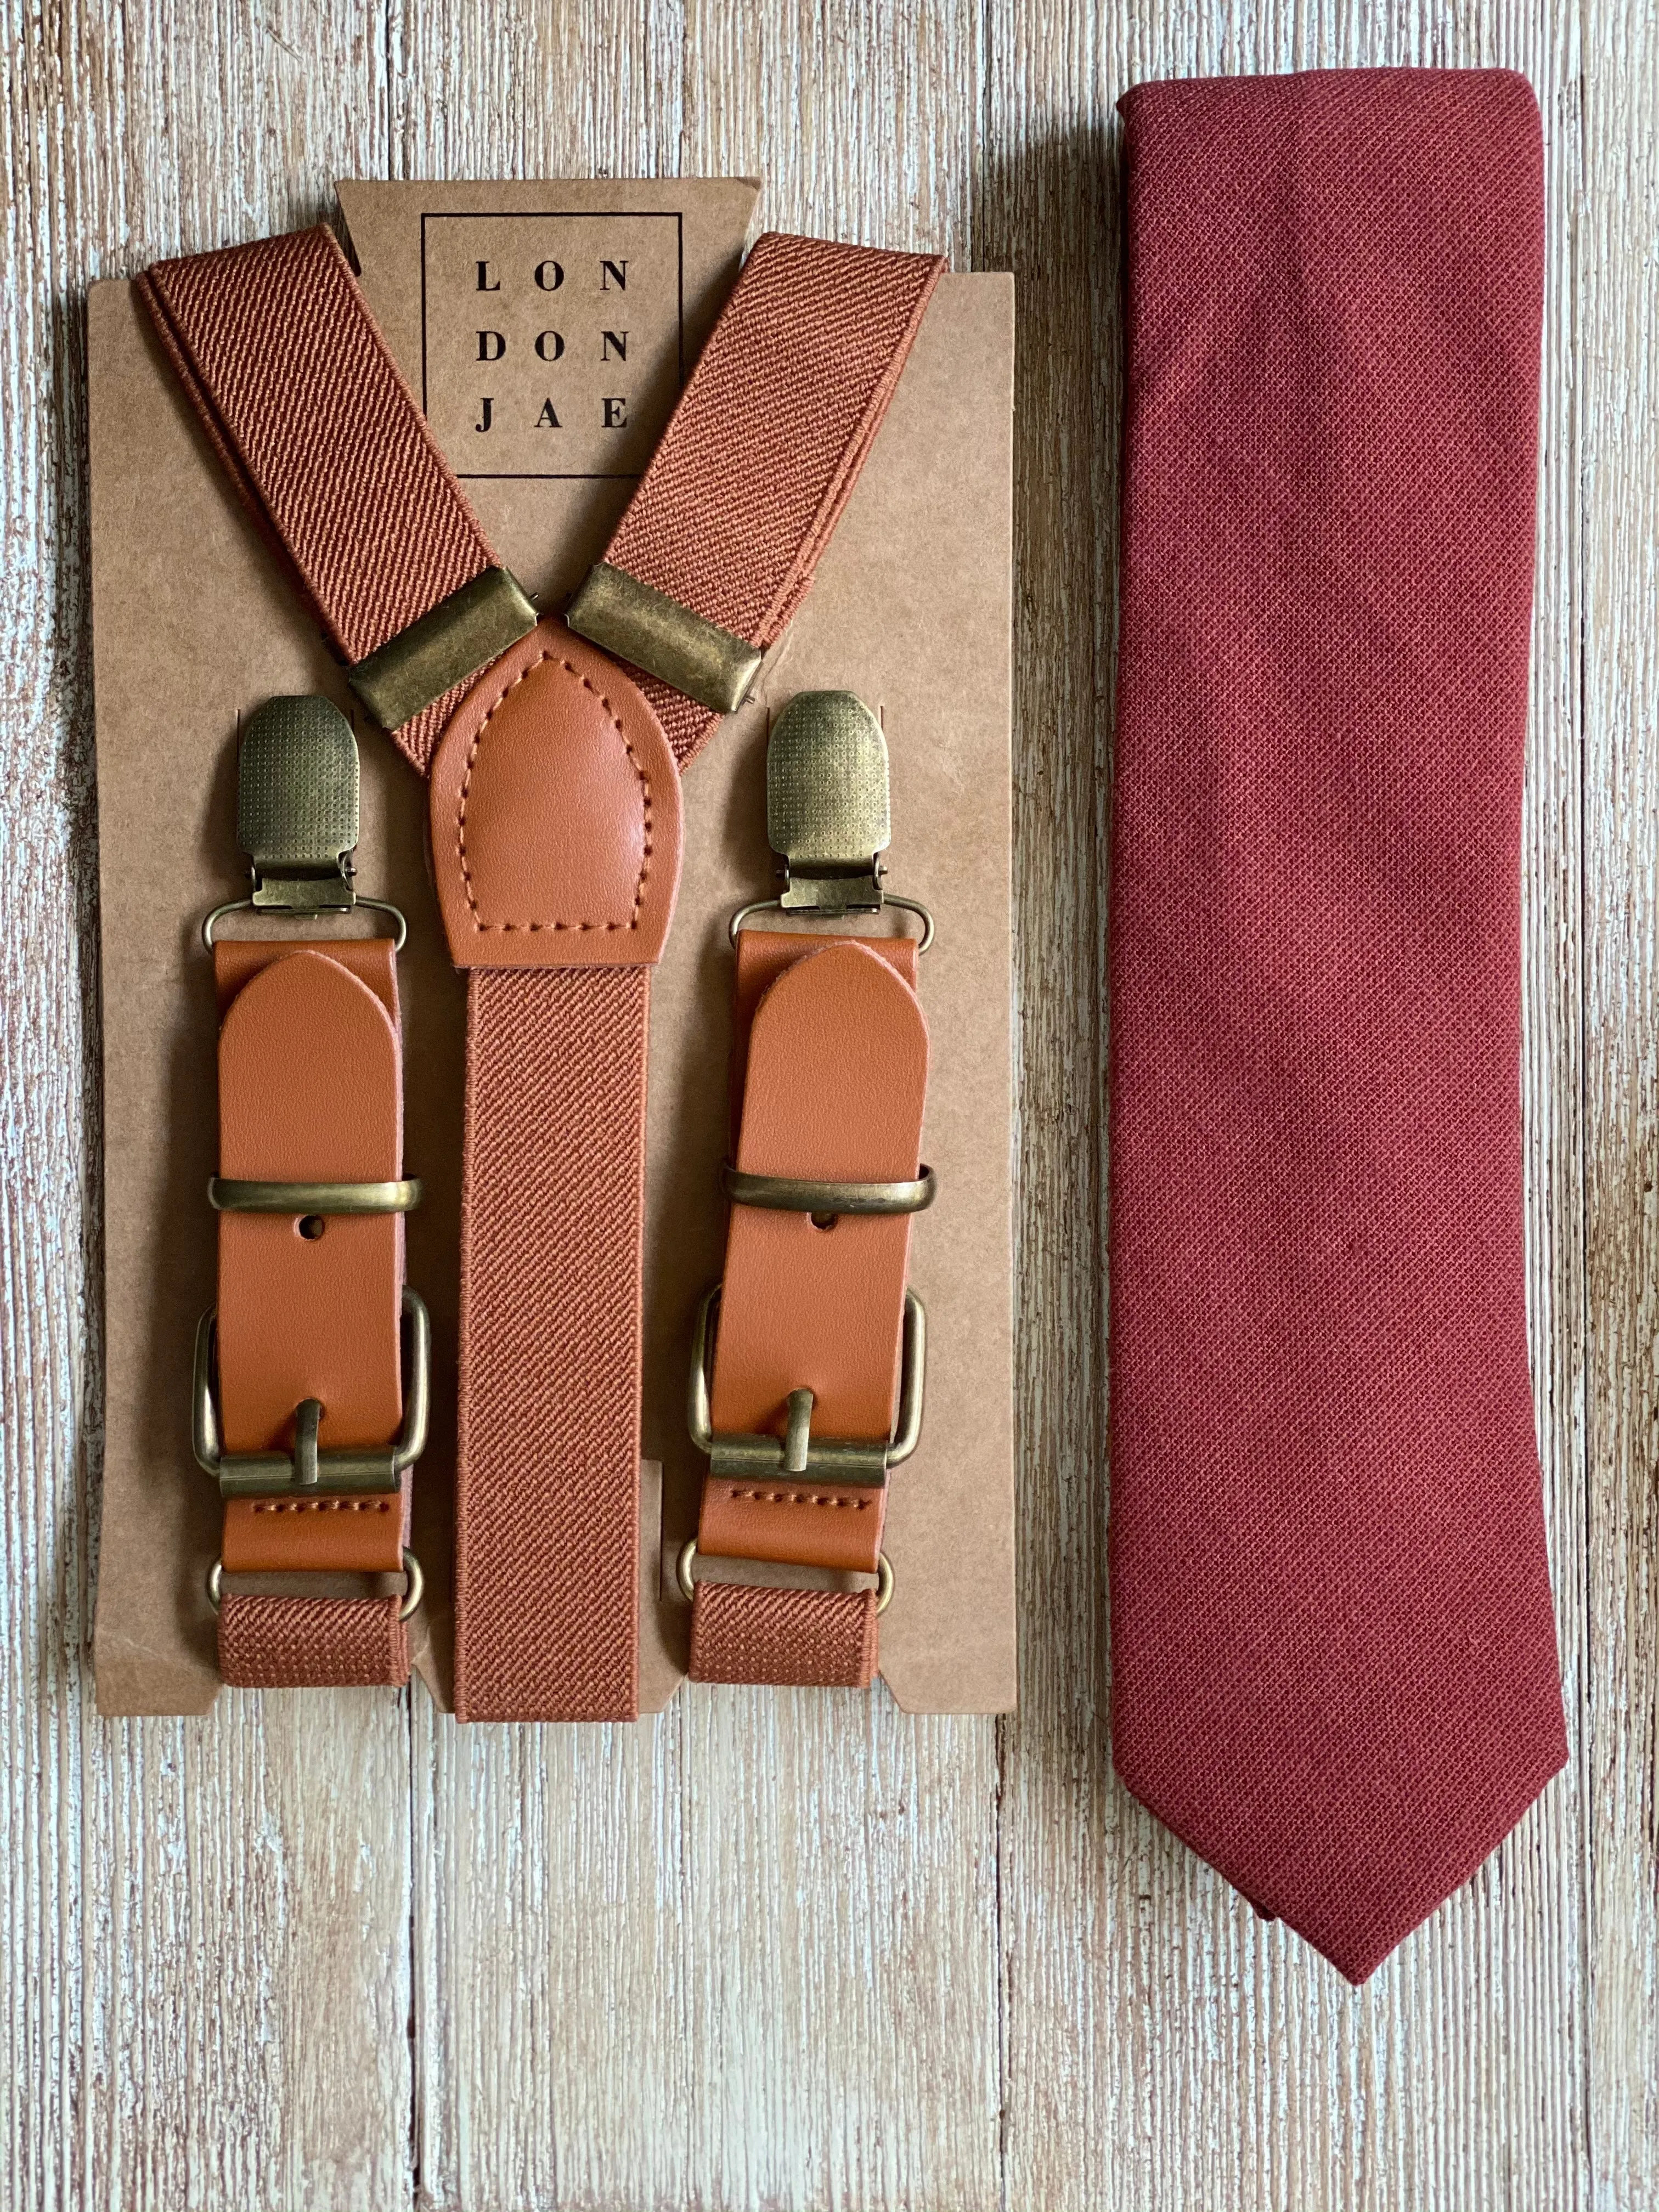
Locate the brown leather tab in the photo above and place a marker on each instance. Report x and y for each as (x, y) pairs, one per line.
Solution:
(830, 1048)
(789, 1519)
(835, 1087)
(805, 1639)
(310, 1091)
(555, 814)
(238, 960)
(356, 1536)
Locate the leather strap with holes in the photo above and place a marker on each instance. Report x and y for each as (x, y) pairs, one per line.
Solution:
(310, 1091)
(555, 829)
(830, 1080)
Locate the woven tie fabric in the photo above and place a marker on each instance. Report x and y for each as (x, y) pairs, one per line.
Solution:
(1334, 1668)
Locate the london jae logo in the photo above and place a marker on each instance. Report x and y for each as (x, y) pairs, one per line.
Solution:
(552, 344)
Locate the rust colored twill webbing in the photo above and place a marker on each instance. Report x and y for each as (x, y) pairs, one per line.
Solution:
(312, 1642)
(1334, 1668)
(547, 1522)
(297, 390)
(743, 492)
(810, 1640)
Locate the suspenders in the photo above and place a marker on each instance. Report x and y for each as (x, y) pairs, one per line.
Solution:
(813, 1319)
(553, 751)
(311, 1369)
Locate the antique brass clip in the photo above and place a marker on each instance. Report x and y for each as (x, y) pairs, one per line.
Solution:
(829, 813)
(297, 813)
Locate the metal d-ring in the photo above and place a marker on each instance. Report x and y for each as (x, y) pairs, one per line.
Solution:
(687, 1560)
(734, 927)
(381, 906)
(415, 1585)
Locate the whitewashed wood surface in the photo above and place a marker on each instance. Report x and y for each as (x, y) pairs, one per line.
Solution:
(795, 1950)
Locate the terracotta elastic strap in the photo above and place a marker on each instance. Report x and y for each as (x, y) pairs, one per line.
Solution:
(277, 349)
(830, 1078)
(304, 1317)
(745, 489)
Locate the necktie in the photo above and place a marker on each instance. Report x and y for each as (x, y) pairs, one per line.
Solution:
(1335, 1670)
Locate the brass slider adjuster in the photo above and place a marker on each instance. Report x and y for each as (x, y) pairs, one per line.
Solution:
(635, 622)
(457, 638)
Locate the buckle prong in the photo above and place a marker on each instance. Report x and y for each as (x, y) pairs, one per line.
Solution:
(325, 1473)
(854, 1460)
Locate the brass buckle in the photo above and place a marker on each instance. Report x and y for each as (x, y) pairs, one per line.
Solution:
(229, 1195)
(797, 1451)
(297, 814)
(826, 1200)
(831, 1459)
(829, 812)
(306, 1470)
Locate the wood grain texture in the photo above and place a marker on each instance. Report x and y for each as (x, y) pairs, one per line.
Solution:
(795, 1950)
(1619, 584)
(205, 1986)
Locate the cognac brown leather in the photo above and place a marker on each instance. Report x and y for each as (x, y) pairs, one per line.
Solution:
(361, 1536)
(556, 845)
(555, 814)
(835, 1088)
(793, 1520)
(830, 1048)
(310, 1091)
(237, 960)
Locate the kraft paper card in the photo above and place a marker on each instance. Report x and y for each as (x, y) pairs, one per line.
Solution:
(547, 329)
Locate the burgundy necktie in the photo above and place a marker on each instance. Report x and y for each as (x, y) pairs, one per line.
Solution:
(1335, 1670)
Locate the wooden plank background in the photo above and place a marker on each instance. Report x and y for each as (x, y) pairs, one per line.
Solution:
(789, 1950)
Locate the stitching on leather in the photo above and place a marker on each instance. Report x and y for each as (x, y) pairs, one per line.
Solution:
(480, 926)
(322, 1505)
(795, 1497)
